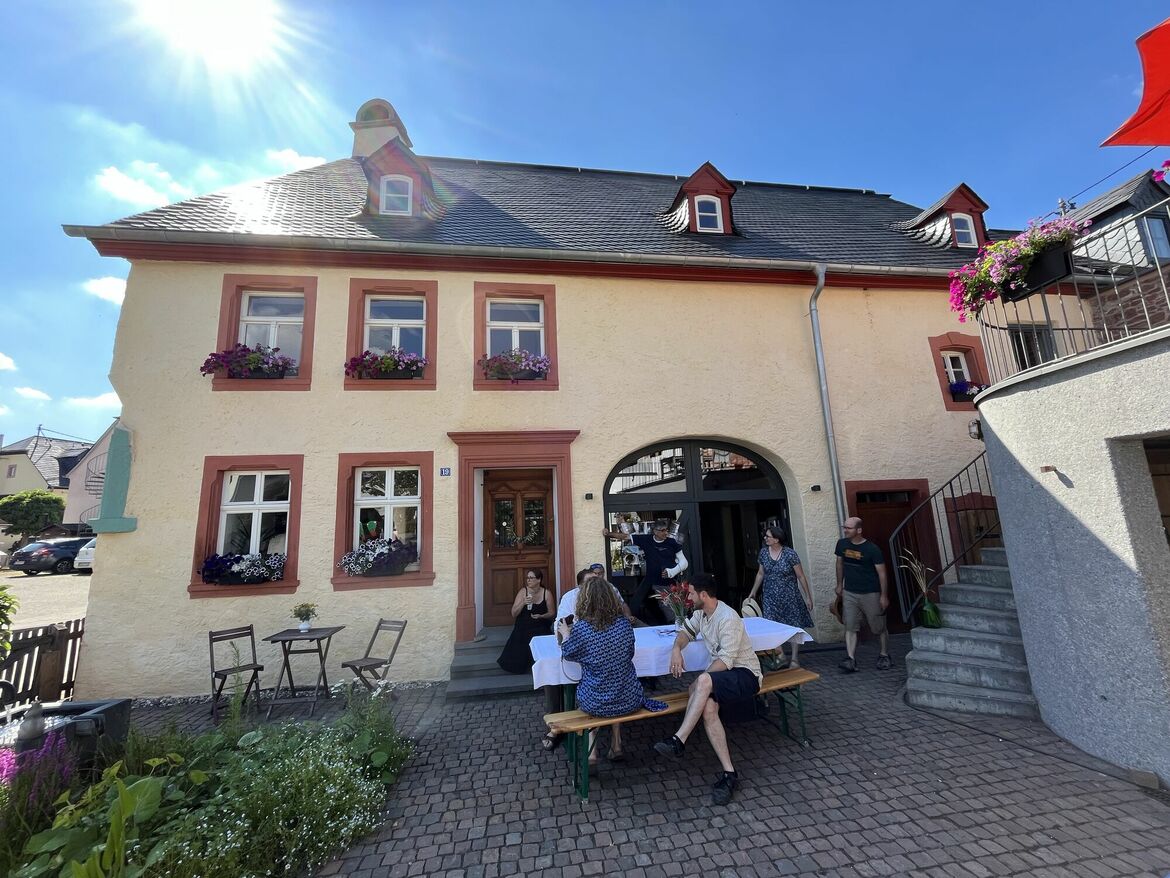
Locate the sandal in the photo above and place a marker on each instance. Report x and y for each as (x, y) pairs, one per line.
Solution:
(549, 742)
(615, 755)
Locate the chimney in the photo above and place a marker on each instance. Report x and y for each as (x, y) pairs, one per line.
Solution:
(377, 124)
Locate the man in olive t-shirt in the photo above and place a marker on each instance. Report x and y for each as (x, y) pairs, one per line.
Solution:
(862, 586)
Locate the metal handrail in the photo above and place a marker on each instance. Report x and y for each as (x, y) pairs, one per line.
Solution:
(95, 475)
(943, 531)
(1119, 288)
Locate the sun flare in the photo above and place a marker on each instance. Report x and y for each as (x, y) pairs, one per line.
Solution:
(230, 37)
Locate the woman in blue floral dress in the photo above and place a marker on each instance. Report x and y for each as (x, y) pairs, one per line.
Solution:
(601, 640)
(779, 573)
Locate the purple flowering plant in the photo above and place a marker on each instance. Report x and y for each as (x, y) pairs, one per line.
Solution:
(967, 388)
(510, 364)
(33, 783)
(1002, 265)
(253, 568)
(242, 361)
(368, 364)
(1163, 173)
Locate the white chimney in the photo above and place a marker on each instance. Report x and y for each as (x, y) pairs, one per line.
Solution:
(377, 124)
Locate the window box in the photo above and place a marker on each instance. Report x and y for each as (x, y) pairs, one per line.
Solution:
(1048, 267)
(394, 365)
(384, 557)
(400, 375)
(392, 320)
(514, 365)
(267, 311)
(244, 362)
(243, 569)
(515, 335)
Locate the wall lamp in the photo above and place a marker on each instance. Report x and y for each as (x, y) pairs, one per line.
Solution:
(975, 429)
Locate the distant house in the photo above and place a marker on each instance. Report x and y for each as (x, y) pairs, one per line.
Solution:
(38, 462)
(83, 500)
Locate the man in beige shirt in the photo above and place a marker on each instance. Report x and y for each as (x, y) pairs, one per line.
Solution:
(726, 691)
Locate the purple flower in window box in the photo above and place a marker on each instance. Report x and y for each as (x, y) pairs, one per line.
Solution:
(395, 363)
(379, 557)
(514, 366)
(242, 361)
(961, 390)
(243, 569)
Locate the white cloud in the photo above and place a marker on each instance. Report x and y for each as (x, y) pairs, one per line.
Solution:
(4, 410)
(291, 160)
(32, 393)
(104, 401)
(7, 363)
(125, 188)
(112, 289)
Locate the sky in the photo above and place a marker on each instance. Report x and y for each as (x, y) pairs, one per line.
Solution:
(111, 107)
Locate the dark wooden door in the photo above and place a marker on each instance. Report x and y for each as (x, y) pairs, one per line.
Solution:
(880, 512)
(518, 528)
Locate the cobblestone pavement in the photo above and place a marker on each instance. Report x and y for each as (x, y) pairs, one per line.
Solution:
(884, 790)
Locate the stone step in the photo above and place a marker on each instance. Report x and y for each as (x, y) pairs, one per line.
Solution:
(934, 695)
(996, 557)
(469, 688)
(989, 597)
(977, 644)
(478, 663)
(985, 574)
(980, 619)
(486, 639)
(967, 671)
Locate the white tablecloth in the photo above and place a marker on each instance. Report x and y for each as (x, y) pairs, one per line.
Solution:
(652, 651)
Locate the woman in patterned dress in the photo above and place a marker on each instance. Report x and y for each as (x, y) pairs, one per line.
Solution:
(779, 573)
(601, 640)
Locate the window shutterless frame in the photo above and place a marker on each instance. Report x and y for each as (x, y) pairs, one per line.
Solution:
(964, 228)
(400, 323)
(391, 493)
(955, 365)
(506, 325)
(254, 505)
(397, 194)
(708, 214)
(274, 319)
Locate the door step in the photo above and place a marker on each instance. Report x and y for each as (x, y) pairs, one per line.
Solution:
(976, 644)
(922, 664)
(934, 695)
(987, 597)
(467, 688)
(980, 619)
(985, 574)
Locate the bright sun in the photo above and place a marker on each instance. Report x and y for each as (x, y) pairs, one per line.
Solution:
(230, 37)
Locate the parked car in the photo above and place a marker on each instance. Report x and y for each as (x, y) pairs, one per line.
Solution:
(43, 555)
(83, 563)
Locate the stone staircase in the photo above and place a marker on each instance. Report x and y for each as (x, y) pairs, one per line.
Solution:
(475, 674)
(976, 662)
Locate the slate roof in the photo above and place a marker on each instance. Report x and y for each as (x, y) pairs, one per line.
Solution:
(43, 452)
(558, 211)
(1138, 193)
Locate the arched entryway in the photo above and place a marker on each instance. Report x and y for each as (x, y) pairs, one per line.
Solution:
(721, 496)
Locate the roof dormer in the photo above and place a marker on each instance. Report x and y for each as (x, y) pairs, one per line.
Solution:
(399, 182)
(955, 220)
(703, 204)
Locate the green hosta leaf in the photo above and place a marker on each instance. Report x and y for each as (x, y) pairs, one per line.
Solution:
(378, 758)
(156, 762)
(198, 777)
(250, 739)
(142, 798)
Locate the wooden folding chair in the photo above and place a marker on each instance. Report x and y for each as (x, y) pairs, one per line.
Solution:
(377, 668)
(219, 676)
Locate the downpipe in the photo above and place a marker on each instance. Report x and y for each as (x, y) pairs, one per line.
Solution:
(823, 378)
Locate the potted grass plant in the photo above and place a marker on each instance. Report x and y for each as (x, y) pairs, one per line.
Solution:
(931, 618)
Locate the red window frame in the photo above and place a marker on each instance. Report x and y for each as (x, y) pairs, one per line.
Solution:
(546, 293)
(362, 288)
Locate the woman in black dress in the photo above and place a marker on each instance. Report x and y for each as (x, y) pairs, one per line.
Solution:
(532, 614)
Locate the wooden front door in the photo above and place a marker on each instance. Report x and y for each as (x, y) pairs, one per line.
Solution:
(518, 536)
(880, 513)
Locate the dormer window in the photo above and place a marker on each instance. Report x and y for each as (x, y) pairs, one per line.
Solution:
(964, 228)
(708, 214)
(397, 196)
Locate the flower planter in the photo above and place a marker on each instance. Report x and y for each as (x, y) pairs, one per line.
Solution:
(237, 579)
(261, 373)
(521, 375)
(962, 397)
(394, 564)
(398, 375)
(1048, 267)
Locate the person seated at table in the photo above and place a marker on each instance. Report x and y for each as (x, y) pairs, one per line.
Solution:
(726, 691)
(601, 641)
(568, 603)
(531, 611)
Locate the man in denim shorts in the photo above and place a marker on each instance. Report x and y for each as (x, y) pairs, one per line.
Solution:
(864, 591)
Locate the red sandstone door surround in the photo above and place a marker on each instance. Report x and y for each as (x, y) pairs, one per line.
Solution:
(537, 449)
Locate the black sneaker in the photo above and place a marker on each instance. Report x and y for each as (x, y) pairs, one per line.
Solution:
(724, 788)
(883, 663)
(673, 747)
(849, 666)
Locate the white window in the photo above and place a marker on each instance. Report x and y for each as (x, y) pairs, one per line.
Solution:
(515, 324)
(388, 505)
(254, 514)
(708, 214)
(396, 195)
(396, 321)
(12, 471)
(1159, 238)
(964, 228)
(274, 319)
(955, 364)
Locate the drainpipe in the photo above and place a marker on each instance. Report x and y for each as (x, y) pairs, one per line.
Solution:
(826, 411)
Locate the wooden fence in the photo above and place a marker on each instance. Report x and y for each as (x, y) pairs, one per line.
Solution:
(43, 661)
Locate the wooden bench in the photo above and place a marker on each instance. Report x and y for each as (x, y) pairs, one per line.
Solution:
(576, 724)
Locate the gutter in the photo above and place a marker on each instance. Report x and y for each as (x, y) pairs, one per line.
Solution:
(823, 378)
(298, 242)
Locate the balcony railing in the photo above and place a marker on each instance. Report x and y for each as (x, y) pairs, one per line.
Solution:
(1119, 289)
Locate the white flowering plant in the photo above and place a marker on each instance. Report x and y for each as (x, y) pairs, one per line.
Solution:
(243, 569)
(380, 557)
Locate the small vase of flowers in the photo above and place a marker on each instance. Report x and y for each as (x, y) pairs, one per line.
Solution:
(676, 598)
(306, 613)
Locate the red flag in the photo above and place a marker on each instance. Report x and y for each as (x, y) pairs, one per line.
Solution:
(1150, 123)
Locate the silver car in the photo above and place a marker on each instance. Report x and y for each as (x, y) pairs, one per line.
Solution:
(83, 563)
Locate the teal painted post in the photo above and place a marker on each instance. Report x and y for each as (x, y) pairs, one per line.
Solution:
(117, 484)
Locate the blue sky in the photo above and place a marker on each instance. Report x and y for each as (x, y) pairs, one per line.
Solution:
(111, 107)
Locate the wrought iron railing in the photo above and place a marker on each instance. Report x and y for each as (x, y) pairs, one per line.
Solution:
(1119, 288)
(945, 530)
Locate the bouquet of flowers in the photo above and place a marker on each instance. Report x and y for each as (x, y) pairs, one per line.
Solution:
(677, 599)
(244, 362)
